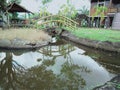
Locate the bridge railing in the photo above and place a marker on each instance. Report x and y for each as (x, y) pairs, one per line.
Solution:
(57, 20)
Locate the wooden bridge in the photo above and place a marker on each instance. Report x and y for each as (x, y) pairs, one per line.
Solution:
(56, 21)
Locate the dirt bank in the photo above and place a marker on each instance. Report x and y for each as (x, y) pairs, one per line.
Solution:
(113, 84)
(104, 45)
(18, 43)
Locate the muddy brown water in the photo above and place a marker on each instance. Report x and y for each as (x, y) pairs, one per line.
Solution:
(59, 66)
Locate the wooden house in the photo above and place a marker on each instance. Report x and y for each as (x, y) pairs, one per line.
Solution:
(6, 21)
(111, 16)
(19, 9)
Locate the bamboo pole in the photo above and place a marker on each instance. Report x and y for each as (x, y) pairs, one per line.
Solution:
(60, 21)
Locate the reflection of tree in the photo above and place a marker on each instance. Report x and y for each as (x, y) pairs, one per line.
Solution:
(69, 78)
(41, 77)
(8, 69)
(38, 78)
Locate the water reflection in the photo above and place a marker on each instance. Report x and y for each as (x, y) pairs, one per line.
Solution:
(111, 61)
(8, 69)
(55, 67)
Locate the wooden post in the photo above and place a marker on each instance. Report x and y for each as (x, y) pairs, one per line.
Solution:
(51, 20)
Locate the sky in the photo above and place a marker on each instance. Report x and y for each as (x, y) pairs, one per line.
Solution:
(53, 7)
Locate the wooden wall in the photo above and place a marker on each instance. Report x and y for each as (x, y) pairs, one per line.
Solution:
(112, 8)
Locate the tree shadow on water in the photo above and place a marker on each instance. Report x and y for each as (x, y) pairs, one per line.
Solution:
(13, 76)
(43, 78)
(8, 72)
(40, 78)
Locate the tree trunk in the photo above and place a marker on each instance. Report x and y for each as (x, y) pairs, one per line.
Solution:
(5, 19)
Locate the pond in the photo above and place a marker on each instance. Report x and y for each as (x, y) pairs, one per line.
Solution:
(59, 66)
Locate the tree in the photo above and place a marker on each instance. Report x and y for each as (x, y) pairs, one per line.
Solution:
(43, 8)
(68, 10)
(2, 5)
(84, 10)
(43, 11)
(44, 2)
(13, 1)
(4, 11)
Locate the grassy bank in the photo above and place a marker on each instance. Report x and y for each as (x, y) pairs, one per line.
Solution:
(35, 35)
(98, 34)
(24, 33)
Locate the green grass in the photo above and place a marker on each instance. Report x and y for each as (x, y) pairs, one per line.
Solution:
(98, 34)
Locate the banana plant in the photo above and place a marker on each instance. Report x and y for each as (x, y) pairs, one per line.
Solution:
(100, 12)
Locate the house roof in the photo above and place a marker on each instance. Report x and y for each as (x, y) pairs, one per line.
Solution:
(114, 1)
(17, 8)
(98, 0)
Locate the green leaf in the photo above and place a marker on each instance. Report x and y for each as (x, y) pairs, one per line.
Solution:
(118, 86)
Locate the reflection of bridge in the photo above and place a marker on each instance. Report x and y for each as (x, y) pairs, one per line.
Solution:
(55, 51)
(56, 21)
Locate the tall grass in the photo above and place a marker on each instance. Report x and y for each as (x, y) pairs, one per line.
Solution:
(24, 33)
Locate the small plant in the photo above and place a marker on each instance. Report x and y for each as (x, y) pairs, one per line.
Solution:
(84, 23)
